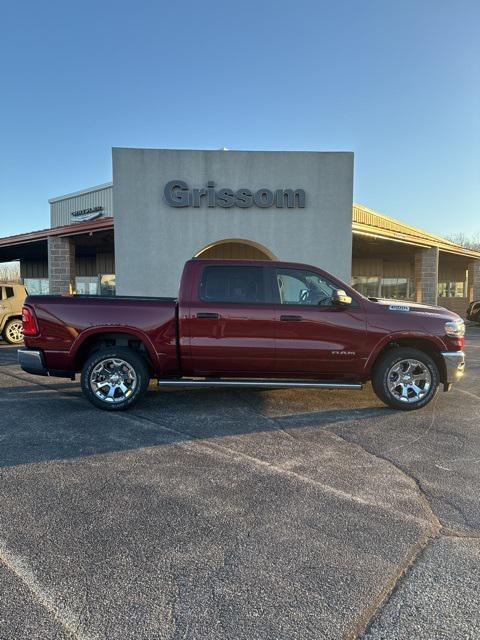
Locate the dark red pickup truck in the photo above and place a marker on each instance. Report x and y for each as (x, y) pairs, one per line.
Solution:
(245, 324)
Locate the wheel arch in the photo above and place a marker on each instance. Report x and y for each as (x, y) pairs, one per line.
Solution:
(111, 337)
(428, 344)
(7, 317)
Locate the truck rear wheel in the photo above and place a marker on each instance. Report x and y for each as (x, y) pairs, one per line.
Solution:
(405, 378)
(115, 379)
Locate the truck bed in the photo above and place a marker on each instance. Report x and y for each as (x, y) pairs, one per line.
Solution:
(69, 324)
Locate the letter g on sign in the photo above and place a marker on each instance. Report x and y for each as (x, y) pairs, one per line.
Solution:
(176, 193)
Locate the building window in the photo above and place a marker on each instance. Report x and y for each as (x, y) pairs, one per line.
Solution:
(37, 286)
(86, 285)
(101, 285)
(393, 288)
(107, 284)
(369, 286)
(396, 288)
(451, 289)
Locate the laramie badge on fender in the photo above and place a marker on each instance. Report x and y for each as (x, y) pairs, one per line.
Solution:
(399, 307)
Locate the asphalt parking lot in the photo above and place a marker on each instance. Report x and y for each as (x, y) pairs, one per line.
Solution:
(288, 514)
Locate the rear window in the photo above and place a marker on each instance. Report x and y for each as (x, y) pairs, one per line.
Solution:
(9, 293)
(233, 284)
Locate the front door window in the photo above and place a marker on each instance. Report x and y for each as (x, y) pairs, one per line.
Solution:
(296, 286)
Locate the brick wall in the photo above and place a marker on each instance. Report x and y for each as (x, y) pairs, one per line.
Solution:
(426, 275)
(474, 280)
(61, 265)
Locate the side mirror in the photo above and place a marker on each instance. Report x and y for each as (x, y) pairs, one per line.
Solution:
(341, 298)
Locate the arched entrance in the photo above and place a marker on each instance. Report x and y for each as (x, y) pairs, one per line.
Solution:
(235, 249)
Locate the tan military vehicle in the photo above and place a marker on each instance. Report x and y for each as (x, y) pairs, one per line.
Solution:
(11, 301)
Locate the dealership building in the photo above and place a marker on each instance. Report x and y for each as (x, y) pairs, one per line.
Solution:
(163, 207)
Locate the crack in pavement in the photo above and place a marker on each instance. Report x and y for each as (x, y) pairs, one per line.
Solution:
(411, 479)
(232, 453)
(368, 616)
(442, 531)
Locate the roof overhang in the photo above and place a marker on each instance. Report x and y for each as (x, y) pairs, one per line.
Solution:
(368, 222)
(89, 226)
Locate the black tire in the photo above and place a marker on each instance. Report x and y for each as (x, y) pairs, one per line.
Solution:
(13, 331)
(135, 368)
(383, 379)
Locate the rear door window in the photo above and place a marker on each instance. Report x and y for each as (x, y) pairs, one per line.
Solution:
(233, 284)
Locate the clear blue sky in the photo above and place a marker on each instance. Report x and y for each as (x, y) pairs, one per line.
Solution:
(397, 82)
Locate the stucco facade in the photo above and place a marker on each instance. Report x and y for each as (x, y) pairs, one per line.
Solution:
(152, 237)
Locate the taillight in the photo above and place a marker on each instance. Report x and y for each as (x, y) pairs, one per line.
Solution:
(29, 321)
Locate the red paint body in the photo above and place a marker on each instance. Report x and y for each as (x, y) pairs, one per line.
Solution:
(246, 339)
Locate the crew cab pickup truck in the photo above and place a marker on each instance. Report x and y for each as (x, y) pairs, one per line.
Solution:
(245, 324)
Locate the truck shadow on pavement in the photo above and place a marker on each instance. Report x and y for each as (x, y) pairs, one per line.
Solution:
(47, 421)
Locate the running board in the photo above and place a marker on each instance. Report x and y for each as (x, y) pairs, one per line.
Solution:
(257, 384)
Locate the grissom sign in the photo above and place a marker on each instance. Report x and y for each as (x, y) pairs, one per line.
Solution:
(178, 194)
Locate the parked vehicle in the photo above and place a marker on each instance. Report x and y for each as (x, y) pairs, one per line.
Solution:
(245, 324)
(12, 297)
(473, 311)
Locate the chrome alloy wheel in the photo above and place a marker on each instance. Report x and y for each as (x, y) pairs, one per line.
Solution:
(113, 380)
(14, 332)
(409, 380)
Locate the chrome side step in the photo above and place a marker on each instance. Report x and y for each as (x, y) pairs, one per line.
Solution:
(257, 384)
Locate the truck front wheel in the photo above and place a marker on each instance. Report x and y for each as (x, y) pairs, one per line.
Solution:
(405, 378)
(114, 379)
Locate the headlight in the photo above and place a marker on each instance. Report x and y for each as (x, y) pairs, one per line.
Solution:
(455, 328)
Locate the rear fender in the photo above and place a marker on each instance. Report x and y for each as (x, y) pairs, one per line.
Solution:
(99, 330)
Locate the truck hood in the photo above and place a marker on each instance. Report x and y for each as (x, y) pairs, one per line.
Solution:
(405, 306)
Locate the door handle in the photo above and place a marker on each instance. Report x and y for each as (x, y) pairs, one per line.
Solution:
(208, 316)
(291, 318)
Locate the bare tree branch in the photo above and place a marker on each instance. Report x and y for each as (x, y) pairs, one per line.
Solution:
(469, 242)
(10, 272)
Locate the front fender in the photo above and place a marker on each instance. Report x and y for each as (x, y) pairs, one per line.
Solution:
(401, 336)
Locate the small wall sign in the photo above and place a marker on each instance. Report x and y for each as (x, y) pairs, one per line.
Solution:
(87, 214)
